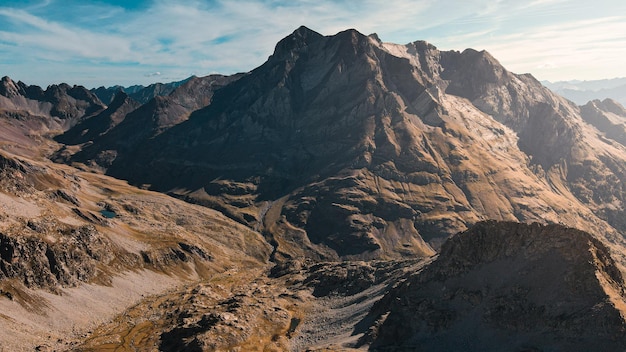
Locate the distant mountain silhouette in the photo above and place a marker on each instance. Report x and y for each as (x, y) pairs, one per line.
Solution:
(582, 92)
(139, 93)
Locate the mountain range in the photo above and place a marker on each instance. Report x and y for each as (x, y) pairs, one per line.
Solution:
(582, 92)
(383, 190)
(139, 93)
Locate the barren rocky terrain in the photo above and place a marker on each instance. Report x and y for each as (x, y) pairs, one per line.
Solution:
(77, 248)
(347, 194)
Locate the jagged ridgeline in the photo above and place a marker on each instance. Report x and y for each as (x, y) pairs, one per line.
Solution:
(347, 193)
(346, 147)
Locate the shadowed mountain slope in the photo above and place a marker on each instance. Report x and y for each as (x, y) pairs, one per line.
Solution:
(69, 104)
(508, 286)
(344, 146)
(92, 128)
(126, 124)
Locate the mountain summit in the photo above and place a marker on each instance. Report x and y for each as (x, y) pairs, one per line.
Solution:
(346, 147)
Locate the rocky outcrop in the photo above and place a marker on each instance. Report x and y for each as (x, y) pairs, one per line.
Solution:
(497, 286)
(52, 237)
(78, 248)
(508, 286)
(544, 122)
(72, 260)
(71, 102)
(300, 306)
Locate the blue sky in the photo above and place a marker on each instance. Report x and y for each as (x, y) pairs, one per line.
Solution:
(109, 42)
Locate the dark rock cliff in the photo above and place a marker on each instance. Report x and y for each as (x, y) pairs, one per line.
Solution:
(508, 286)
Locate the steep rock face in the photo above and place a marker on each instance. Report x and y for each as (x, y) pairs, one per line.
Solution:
(596, 173)
(51, 236)
(608, 116)
(11, 89)
(144, 95)
(197, 92)
(309, 125)
(343, 146)
(106, 95)
(38, 264)
(71, 102)
(581, 149)
(93, 128)
(125, 123)
(542, 120)
(508, 286)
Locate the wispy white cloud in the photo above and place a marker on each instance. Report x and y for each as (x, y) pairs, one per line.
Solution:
(581, 49)
(52, 40)
(547, 37)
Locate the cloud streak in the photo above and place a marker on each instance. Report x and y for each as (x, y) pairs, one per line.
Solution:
(580, 49)
(44, 37)
(553, 39)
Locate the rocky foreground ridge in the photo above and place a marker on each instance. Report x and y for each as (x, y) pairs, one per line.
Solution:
(334, 198)
(508, 286)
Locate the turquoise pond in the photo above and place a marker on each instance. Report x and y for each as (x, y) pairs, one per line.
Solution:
(107, 214)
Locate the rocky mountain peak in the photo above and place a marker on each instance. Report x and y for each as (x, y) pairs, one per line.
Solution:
(347, 162)
(608, 116)
(304, 32)
(305, 43)
(8, 88)
(375, 37)
(72, 102)
(471, 72)
(119, 98)
(610, 105)
(297, 42)
(422, 45)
